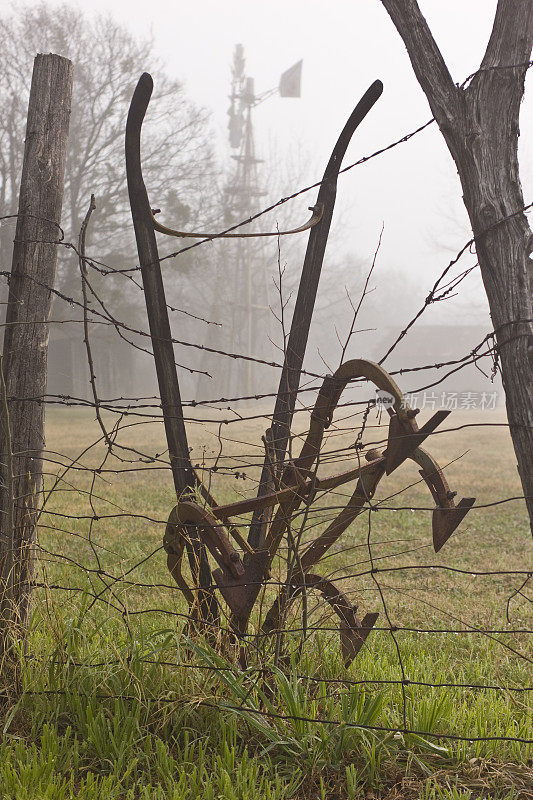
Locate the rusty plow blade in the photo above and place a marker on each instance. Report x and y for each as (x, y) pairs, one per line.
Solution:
(353, 633)
(446, 520)
(446, 516)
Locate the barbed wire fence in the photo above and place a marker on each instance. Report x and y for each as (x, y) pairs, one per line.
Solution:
(115, 480)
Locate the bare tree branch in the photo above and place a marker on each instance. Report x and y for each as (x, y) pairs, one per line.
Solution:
(480, 126)
(427, 61)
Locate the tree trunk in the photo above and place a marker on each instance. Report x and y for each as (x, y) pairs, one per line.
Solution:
(480, 126)
(26, 337)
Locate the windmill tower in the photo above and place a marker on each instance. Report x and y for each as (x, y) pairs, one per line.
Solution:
(250, 307)
(244, 281)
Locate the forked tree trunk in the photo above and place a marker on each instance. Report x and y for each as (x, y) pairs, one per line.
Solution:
(480, 126)
(26, 335)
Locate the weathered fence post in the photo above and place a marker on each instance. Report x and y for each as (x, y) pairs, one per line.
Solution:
(26, 333)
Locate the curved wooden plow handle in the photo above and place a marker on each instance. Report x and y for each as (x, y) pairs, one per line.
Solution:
(156, 308)
(446, 516)
(303, 309)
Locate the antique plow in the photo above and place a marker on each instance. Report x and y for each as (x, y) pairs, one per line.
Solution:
(206, 529)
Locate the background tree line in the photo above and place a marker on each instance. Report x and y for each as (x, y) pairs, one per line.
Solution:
(189, 184)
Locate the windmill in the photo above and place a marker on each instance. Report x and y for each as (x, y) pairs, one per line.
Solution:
(250, 312)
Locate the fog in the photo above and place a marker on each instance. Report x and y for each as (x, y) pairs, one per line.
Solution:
(345, 45)
(409, 196)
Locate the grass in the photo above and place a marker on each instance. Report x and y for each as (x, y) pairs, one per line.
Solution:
(127, 705)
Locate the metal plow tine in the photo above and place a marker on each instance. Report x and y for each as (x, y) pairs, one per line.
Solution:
(241, 593)
(404, 438)
(446, 520)
(352, 639)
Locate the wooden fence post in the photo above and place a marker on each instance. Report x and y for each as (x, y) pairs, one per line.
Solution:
(26, 332)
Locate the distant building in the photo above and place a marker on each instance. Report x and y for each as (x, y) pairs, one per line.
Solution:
(427, 345)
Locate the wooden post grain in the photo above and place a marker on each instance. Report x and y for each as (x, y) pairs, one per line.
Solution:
(26, 333)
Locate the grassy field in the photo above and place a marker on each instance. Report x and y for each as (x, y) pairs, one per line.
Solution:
(118, 702)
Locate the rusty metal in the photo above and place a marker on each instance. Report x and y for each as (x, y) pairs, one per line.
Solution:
(241, 593)
(446, 516)
(352, 639)
(214, 536)
(174, 543)
(298, 485)
(353, 632)
(154, 291)
(240, 582)
(284, 487)
(313, 220)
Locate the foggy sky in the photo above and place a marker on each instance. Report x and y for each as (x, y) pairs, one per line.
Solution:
(345, 45)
